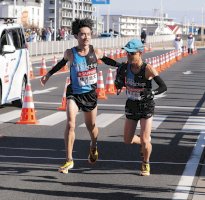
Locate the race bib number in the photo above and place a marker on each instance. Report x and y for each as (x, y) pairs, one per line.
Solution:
(88, 77)
(134, 93)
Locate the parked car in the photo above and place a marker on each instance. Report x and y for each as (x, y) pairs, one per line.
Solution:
(14, 59)
(105, 35)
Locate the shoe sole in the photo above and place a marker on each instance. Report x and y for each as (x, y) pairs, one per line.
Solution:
(92, 162)
(144, 173)
(65, 170)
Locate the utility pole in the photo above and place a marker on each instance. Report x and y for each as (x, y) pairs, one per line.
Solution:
(161, 26)
(108, 18)
(14, 11)
(202, 25)
(55, 20)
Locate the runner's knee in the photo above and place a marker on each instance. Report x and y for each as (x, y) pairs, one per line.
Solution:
(145, 139)
(70, 126)
(128, 140)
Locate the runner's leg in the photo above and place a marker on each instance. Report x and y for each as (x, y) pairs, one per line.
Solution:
(145, 133)
(69, 135)
(129, 132)
(90, 122)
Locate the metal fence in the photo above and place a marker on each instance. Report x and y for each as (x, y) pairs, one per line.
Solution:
(58, 47)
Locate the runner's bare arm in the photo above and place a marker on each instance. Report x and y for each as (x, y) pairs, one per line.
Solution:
(150, 72)
(98, 53)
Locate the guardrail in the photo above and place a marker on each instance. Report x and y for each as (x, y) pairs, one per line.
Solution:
(57, 47)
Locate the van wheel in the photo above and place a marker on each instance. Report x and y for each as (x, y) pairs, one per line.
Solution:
(19, 102)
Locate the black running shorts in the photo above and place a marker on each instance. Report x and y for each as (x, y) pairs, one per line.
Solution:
(136, 110)
(86, 101)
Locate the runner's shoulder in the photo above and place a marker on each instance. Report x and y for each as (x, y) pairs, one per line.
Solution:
(98, 53)
(68, 54)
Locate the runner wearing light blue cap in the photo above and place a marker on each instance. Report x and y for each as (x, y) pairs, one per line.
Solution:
(137, 76)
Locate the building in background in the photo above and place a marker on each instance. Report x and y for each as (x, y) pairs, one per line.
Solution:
(128, 25)
(29, 13)
(41, 14)
(68, 10)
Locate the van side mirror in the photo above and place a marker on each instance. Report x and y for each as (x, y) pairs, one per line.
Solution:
(8, 49)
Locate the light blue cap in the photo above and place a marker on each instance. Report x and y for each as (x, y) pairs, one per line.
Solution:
(134, 45)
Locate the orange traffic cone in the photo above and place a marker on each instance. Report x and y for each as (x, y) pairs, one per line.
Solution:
(43, 70)
(161, 63)
(100, 87)
(64, 101)
(109, 86)
(178, 57)
(149, 60)
(55, 61)
(122, 53)
(115, 74)
(154, 62)
(117, 53)
(150, 47)
(112, 54)
(31, 75)
(105, 53)
(28, 113)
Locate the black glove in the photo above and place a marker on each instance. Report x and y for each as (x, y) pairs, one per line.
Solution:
(119, 83)
(147, 95)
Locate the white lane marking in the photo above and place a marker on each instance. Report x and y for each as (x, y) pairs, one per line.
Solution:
(44, 91)
(195, 123)
(105, 119)
(123, 105)
(47, 103)
(187, 72)
(186, 181)
(9, 116)
(160, 96)
(53, 119)
(28, 149)
(157, 120)
(47, 67)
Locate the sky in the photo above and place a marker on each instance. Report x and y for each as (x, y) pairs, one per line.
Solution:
(180, 10)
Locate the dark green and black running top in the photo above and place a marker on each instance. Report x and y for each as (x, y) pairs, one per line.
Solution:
(136, 83)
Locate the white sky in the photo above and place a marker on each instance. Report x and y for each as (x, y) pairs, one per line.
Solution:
(180, 10)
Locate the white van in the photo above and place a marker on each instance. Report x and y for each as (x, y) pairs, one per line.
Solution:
(14, 62)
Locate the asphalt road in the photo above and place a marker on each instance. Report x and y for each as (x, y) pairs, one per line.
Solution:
(31, 154)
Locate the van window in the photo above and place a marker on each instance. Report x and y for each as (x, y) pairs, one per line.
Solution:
(14, 33)
(3, 41)
(23, 41)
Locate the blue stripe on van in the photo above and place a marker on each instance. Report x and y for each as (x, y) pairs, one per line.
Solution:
(12, 75)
